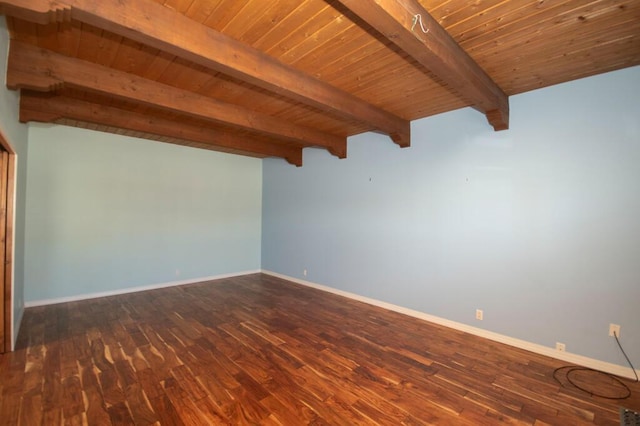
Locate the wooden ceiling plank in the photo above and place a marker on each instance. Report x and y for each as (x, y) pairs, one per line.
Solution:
(444, 7)
(225, 10)
(560, 36)
(90, 37)
(179, 5)
(558, 63)
(247, 7)
(436, 50)
(538, 19)
(129, 56)
(157, 26)
(385, 79)
(353, 50)
(69, 39)
(273, 38)
(185, 77)
(200, 11)
(581, 42)
(255, 28)
(456, 21)
(336, 45)
(398, 77)
(36, 107)
(493, 20)
(242, 26)
(315, 17)
(312, 119)
(331, 29)
(158, 65)
(576, 64)
(38, 69)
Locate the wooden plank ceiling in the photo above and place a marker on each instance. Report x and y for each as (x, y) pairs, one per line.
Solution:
(269, 78)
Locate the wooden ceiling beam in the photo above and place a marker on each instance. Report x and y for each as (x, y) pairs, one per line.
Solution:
(157, 26)
(45, 108)
(30, 67)
(410, 27)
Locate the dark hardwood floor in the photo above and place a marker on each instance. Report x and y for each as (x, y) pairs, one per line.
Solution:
(260, 350)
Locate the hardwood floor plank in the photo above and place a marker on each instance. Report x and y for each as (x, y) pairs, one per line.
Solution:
(259, 350)
(119, 414)
(52, 389)
(155, 361)
(281, 413)
(245, 409)
(126, 375)
(33, 371)
(378, 413)
(31, 410)
(72, 399)
(165, 410)
(139, 405)
(52, 417)
(150, 383)
(498, 402)
(99, 356)
(129, 338)
(10, 408)
(160, 348)
(188, 382)
(68, 359)
(215, 390)
(96, 409)
(187, 410)
(111, 391)
(77, 420)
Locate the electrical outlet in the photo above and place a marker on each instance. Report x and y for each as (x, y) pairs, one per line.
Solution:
(560, 347)
(177, 272)
(479, 314)
(304, 272)
(614, 328)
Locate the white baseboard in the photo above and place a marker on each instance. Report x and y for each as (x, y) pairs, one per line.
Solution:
(86, 296)
(522, 344)
(14, 331)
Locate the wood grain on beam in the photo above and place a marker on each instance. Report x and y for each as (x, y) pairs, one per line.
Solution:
(38, 69)
(48, 109)
(404, 23)
(157, 26)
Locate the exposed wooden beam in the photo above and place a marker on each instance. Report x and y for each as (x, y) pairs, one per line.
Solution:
(409, 26)
(30, 67)
(157, 26)
(48, 109)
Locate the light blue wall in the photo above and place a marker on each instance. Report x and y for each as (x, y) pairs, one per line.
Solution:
(539, 225)
(16, 135)
(108, 212)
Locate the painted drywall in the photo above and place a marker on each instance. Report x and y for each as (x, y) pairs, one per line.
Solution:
(16, 135)
(537, 225)
(108, 212)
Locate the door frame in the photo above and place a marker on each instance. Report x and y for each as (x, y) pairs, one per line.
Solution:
(6, 279)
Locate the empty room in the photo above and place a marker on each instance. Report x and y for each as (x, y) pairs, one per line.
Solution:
(329, 212)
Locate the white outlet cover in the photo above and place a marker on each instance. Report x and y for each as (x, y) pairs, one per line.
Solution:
(612, 328)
